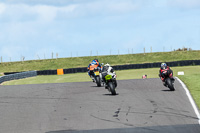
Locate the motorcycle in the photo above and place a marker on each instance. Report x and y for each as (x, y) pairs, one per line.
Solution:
(169, 80)
(97, 76)
(111, 83)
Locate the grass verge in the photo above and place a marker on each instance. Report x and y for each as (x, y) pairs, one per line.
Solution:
(53, 64)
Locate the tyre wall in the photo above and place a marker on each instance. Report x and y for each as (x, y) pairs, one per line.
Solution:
(17, 76)
(118, 67)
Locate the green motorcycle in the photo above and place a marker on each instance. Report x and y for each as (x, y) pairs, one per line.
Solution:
(111, 83)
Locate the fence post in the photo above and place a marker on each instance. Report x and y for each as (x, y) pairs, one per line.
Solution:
(38, 57)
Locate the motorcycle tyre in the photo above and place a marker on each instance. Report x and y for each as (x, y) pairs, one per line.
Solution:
(98, 81)
(112, 88)
(169, 84)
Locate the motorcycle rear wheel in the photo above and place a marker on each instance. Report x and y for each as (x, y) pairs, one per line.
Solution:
(170, 84)
(112, 88)
(98, 81)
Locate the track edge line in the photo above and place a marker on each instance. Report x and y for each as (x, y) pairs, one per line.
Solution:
(190, 99)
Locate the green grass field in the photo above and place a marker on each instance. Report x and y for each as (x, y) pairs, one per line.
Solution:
(53, 64)
(191, 78)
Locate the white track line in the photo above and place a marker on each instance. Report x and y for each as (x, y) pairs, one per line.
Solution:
(191, 99)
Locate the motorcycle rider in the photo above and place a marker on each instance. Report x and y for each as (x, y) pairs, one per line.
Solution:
(93, 64)
(107, 69)
(164, 68)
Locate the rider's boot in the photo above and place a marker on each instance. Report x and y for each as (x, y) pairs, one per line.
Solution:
(106, 86)
(164, 84)
(92, 78)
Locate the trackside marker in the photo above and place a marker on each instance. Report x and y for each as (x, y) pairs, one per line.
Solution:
(191, 99)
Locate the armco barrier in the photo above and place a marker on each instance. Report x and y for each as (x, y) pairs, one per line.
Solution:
(66, 71)
(155, 65)
(17, 76)
(123, 67)
(47, 72)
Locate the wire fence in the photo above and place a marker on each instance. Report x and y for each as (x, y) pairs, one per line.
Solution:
(82, 53)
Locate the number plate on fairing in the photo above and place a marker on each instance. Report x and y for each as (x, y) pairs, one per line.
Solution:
(96, 73)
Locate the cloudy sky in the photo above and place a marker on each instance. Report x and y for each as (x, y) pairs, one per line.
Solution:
(37, 28)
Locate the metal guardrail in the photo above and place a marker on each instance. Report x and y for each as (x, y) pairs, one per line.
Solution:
(18, 76)
(124, 67)
(118, 67)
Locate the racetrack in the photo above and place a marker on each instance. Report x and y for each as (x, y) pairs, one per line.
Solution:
(141, 106)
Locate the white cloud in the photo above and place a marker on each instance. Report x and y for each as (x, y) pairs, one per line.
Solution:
(184, 3)
(2, 8)
(48, 13)
(105, 7)
(27, 27)
(114, 5)
(20, 12)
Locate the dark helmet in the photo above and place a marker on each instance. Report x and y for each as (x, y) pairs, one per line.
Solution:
(96, 60)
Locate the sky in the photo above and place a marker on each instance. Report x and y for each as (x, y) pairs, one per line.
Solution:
(42, 29)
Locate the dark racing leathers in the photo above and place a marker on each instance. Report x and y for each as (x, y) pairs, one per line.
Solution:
(165, 71)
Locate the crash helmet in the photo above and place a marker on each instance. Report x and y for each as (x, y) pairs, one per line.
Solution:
(163, 65)
(96, 60)
(108, 65)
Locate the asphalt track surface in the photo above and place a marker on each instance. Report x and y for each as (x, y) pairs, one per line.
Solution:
(141, 106)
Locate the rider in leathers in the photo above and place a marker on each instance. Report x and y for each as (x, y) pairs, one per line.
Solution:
(94, 64)
(107, 69)
(164, 68)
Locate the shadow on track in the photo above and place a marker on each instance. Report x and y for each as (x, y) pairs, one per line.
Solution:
(167, 90)
(190, 128)
(110, 94)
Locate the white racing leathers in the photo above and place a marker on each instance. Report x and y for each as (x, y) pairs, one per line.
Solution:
(108, 70)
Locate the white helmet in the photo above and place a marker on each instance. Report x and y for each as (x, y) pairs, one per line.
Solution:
(107, 65)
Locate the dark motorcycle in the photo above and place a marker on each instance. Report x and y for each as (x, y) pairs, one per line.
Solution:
(97, 76)
(169, 80)
(111, 83)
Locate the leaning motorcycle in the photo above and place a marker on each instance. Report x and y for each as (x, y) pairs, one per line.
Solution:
(169, 80)
(97, 76)
(111, 83)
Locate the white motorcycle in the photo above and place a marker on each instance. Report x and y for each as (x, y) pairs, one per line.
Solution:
(109, 78)
(111, 83)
